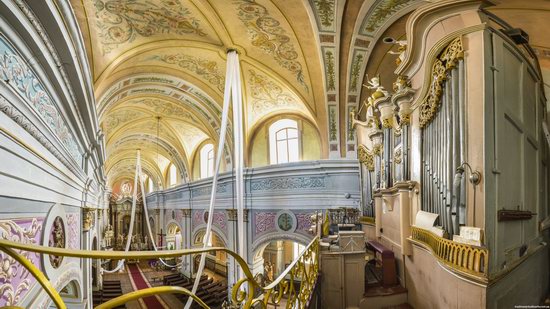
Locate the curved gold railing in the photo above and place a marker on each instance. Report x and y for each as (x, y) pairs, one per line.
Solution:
(305, 268)
(469, 260)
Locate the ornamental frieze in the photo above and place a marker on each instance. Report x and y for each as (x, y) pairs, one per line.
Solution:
(288, 183)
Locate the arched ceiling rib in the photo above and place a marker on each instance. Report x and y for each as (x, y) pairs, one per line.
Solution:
(166, 58)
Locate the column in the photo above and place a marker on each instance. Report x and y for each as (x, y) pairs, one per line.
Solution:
(187, 266)
(280, 267)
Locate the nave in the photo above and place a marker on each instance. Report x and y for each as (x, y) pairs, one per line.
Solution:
(274, 154)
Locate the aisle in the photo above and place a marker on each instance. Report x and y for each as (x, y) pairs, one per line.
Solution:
(139, 282)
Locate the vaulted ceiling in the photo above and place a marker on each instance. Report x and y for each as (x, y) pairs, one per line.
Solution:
(159, 68)
(159, 72)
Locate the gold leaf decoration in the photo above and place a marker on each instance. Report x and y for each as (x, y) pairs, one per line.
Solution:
(444, 63)
(366, 157)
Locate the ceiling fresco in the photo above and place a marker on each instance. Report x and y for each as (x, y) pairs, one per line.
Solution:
(159, 68)
(159, 73)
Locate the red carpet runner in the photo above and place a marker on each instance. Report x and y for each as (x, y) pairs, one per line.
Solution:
(141, 283)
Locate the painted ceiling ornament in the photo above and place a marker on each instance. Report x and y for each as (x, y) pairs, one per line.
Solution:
(380, 13)
(206, 69)
(267, 94)
(165, 108)
(57, 240)
(267, 34)
(122, 21)
(114, 120)
(325, 10)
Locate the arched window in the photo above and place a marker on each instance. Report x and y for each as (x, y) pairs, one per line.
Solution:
(172, 175)
(283, 142)
(207, 160)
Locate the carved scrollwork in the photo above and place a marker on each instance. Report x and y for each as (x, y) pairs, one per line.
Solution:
(366, 157)
(445, 62)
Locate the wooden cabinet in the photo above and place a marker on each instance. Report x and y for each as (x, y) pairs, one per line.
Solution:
(342, 279)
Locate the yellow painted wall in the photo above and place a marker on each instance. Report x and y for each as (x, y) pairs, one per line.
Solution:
(196, 166)
(311, 144)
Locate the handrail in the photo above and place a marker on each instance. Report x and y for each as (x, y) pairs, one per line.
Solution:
(304, 268)
(118, 301)
(469, 260)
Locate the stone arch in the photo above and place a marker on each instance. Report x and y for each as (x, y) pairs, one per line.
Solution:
(173, 228)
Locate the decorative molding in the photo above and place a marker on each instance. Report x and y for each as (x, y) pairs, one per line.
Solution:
(287, 183)
(444, 63)
(87, 218)
(15, 281)
(232, 214)
(380, 13)
(264, 222)
(186, 213)
(222, 188)
(15, 72)
(325, 14)
(20, 118)
(366, 157)
(286, 222)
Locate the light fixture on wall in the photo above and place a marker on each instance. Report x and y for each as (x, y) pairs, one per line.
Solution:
(475, 176)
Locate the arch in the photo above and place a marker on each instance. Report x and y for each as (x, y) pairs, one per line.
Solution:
(263, 127)
(267, 238)
(173, 229)
(200, 231)
(272, 270)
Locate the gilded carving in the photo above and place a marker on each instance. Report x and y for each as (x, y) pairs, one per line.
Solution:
(446, 61)
(122, 21)
(232, 214)
(57, 240)
(366, 157)
(87, 219)
(387, 123)
(267, 34)
(397, 156)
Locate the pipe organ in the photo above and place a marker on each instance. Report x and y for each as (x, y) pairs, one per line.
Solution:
(442, 142)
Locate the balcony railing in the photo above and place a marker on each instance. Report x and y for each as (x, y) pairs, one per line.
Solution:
(296, 284)
(469, 260)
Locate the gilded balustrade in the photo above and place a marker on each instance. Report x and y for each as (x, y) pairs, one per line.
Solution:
(468, 260)
(295, 284)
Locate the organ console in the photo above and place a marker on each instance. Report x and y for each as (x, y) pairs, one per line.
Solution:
(384, 260)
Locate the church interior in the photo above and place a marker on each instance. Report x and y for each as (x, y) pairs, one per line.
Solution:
(356, 154)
